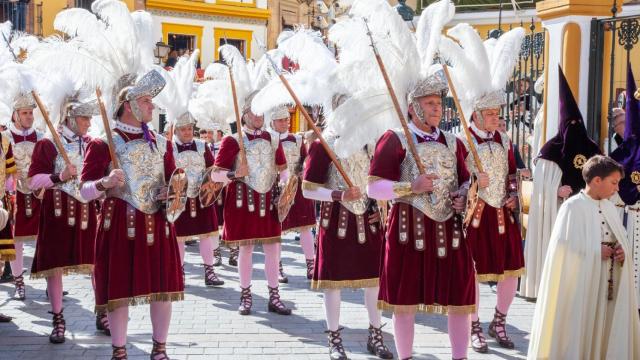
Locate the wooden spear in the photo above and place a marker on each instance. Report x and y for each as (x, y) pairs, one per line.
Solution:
(107, 130)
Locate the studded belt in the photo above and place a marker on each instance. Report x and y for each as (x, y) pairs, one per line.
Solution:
(326, 209)
(419, 231)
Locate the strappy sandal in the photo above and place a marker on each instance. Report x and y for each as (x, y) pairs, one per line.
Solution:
(497, 330)
(210, 277)
(102, 323)
(336, 349)
(375, 343)
(59, 328)
(246, 301)
(478, 342)
(159, 349)
(275, 304)
(119, 352)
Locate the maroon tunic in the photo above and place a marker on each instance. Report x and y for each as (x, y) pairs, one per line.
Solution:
(496, 255)
(342, 263)
(219, 204)
(26, 226)
(61, 248)
(205, 222)
(413, 279)
(7, 248)
(132, 271)
(241, 226)
(302, 215)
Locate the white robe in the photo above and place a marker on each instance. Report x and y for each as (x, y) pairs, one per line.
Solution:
(573, 318)
(633, 235)
(544, 206)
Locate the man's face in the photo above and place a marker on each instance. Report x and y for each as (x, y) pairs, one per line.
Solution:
(254, 122)
(203, 135)
(219, 135)
(82, 124)
(24, 118)
(431, 107)
(619, 125)
(491, 119)
(281, 125)
(607, 186)
(185, 133)
(502, 125)
(145, 104)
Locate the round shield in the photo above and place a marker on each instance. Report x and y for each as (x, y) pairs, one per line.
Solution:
(176, 194)
(287, 197)
(209, 190)
(472, 201)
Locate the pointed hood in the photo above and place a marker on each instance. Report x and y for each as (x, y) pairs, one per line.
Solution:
(572, 146)
(628, 154)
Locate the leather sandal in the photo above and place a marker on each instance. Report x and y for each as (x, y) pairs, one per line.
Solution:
(497, 330)
(478, 342)
(375, 343)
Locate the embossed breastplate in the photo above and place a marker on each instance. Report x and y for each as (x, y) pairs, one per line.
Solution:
(261, 158)
(72, 186)
(22, 152)
(438, 159)
(143, 170)
(495, 164)
(292, 153)
(3, 165)
(192, 162)
(357, 168)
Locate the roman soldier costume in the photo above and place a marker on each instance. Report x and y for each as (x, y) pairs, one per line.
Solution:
(492, 231)
(135, 243)
(68, 223)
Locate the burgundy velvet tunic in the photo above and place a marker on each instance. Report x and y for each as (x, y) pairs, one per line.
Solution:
(496, 255)
(241, 226)
(412, 279)
(26, 226)
(132, 271)
(302, 215)
(342, 262)
(205, 223)
(61, 248)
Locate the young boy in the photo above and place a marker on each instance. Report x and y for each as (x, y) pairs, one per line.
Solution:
(586, 304)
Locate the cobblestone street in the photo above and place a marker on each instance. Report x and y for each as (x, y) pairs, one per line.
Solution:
(207, 326)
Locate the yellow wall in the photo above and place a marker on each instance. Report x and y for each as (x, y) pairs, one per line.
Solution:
(221, 34)
(50, 8)
(571, 56)
(180, 29)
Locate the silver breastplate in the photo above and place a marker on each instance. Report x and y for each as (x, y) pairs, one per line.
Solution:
(494, 159)
(192, 162)
(143, 171)
(292, 153)
(261, 159)
(72, 186)
(438, 159)
(22, 153)
(357, 168)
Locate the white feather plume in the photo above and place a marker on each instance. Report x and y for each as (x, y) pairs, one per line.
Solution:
(175, 96)
(263, 71)
(143, 24)
(429, 30)
(216, 71)
(306, 48)
(504, 56)
(212, 104)
(238, 65)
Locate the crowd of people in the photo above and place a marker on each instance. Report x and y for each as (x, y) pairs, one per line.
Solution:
(381, 198)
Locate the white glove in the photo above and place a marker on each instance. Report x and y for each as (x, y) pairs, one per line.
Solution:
(4, 218)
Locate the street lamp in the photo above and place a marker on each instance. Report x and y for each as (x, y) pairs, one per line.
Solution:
(161, 51)
(406, 12)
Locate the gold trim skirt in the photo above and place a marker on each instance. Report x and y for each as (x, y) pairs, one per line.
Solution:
(139, 300)
(499, 277)
(82, 269)
(431, 309)
(344, 284)
(258, 241)
(197, 237)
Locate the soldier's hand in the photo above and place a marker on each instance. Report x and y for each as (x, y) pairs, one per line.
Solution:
(162, 194)
(114, 179)
(511, 203)
(483, 180)
(424, 183)
(352, 194)
(564, 191)
(459, 203)
(618, 254)
(606, 251)
(68, 172)
(242, 170)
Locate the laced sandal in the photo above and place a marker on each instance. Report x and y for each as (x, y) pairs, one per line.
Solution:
(310, 266)
(59, 328)
(210, 277)
(497, 330)
(5, 318)
(375, 343)
(159, 349)
(119, 352)
(275, 304)
(233, 256)
(246, 301)
(478, 342)
(282, 277)
(20, 292)
(336, 350)
(102, 323)
(217, 257)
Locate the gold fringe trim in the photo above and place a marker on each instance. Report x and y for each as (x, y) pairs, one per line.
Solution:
(299, 229)
(82, 269)
(373, 178)
(197, 237)
(431, 309)
(341, 284)
(7, 255)
(6, 241)
(308, 185)
(236, 243)
(499, 277)
(139, 300)
(25, 238)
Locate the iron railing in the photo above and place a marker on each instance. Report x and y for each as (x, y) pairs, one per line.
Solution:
(15, 11)
(85, 4)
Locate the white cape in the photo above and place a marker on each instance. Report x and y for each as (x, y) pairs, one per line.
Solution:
(544, 206)
(573, 318)
(633, 235)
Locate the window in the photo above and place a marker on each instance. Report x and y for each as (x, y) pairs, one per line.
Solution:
(85, 4)
(16, 12)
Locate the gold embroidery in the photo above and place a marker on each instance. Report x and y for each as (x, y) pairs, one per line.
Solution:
(579, 160)
(635, 177)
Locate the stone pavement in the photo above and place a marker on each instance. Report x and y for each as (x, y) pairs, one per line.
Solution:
(207, 326)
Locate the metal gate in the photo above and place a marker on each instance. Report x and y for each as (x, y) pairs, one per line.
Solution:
(607, 79)
(16, 12)
(523, 103)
